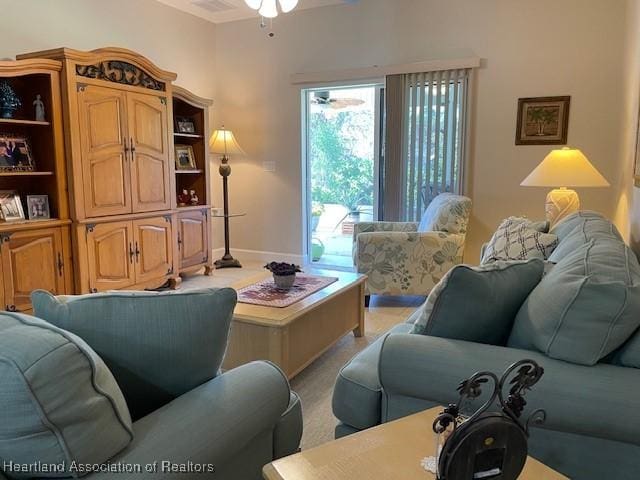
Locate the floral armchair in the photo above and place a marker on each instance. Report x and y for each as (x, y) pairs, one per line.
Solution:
(407, 258)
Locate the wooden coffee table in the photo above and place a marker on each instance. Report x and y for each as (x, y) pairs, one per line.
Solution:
(391, 451)
(294, 336)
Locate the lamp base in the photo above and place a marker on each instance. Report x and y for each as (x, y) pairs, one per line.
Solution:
(227, 262)
(560, 203)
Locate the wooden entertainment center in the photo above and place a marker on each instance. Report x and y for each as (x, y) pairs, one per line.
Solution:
(105, 159)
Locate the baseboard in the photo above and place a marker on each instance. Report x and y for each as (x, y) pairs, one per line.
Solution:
(258, 256)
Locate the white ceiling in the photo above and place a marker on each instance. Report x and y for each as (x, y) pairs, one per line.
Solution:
(219, 11)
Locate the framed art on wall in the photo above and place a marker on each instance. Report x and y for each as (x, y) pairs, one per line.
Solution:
(543, 121)
(15, 153)
(10, 206)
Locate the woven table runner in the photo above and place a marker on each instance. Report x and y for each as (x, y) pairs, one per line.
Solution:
(267, 294)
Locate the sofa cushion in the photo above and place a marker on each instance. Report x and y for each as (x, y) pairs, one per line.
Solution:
(59, 402)
(158, 345)
(357, 394)
(577, 229)
(446, 213)
(518, 239)
(585, 307)
(478, 304)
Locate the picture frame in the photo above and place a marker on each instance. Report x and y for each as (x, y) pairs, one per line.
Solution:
(15, 153)
(38, 207)
(185, 125)
(184, 157)
(11, 206)
(543, 120)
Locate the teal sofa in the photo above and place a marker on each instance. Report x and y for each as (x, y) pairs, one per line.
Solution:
(592, 429)
(133, 378)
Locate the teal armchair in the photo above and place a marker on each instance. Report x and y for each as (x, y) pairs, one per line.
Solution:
(160, 353)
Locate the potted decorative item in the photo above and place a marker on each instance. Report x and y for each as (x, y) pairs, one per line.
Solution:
(317, 249)
(317, 209)
(284, 274)
(9, 101)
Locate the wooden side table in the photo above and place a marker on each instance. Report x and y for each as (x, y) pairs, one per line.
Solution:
(391, 451)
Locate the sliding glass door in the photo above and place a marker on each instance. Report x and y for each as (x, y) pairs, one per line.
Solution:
(341, 139)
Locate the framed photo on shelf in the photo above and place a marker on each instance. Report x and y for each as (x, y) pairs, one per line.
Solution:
(10, 206)
(185, 125)
(184, 157)
(543, 121)
(38, 207)
(15, 153)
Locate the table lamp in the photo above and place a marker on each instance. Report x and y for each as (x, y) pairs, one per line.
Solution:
(567, 167)
(224, 143)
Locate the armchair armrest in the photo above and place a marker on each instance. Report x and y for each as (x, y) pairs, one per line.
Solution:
(587, 400)
(365, 227)
(211, 423)
(406, 263)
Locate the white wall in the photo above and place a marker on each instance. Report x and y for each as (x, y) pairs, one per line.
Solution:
(541, 48)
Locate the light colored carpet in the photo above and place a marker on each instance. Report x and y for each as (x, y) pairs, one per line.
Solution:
(315, 383)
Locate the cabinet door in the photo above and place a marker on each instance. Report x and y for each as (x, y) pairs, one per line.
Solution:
(153, 247)
(32, 259)
(106, 176)
(193, 237)
(111, 256)
(150, 172)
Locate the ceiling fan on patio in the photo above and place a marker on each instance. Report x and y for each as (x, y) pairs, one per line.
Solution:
(323, 99)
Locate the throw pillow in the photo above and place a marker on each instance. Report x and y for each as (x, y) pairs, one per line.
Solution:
(519, 239)
(478, 304)
(585, 307)
(446, 213)
(158, 345)
(59, 402)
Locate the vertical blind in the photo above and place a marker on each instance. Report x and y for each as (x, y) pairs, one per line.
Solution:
(427, 127)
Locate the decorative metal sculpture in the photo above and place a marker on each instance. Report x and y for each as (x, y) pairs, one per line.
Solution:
(120, 72)
(489, 444)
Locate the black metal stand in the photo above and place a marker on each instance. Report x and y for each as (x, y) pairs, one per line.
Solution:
(227, 261)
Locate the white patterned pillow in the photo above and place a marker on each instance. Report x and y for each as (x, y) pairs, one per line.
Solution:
(519, 239)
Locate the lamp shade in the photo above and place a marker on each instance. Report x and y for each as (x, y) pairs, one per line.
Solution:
(567, 167)
(223, 142)
(268, 9)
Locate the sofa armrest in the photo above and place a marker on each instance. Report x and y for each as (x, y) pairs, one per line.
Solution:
(599, 401)
(211, 423)
(405, 263)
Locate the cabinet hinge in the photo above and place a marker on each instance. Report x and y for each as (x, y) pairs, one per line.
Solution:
(167, 218)
(163, 100)
(93, 290)
(170, 271)
(204, 213)
(4, 237)
(80, 87)
(90, 226)
(11, 308)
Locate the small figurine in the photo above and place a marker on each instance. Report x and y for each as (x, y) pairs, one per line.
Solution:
(183, 198)
(39, 104)
(194, 198)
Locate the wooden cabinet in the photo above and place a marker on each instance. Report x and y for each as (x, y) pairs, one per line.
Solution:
(111, 255)
(127, 253)
(153, 248)
(106, 176)
(193, 238)
(150, 168)
(125, 152)
(33, 259)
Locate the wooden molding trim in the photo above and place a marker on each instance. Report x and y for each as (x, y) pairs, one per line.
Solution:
(103, 54)
(29, 66)
(377, 71)
(186, 96)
